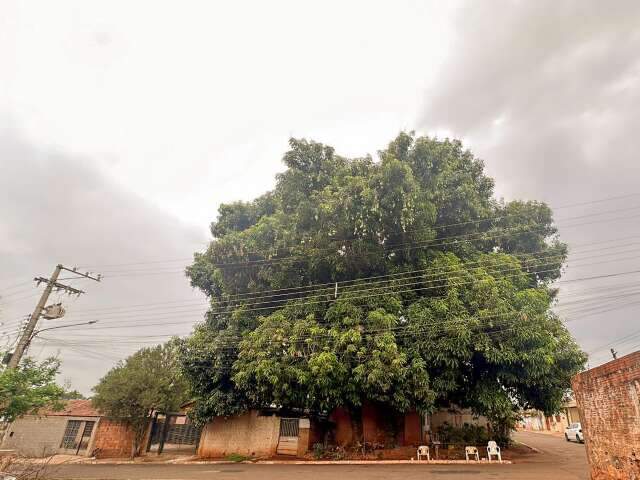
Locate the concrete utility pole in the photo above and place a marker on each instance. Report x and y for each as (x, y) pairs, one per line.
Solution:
(52, 283)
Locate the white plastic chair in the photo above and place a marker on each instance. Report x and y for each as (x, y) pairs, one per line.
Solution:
(493, 449)
(473, 451)
(423, 451)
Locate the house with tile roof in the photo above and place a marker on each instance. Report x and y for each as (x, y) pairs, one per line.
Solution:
(71, 430)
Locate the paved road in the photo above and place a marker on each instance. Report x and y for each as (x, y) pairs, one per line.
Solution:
(558, 460)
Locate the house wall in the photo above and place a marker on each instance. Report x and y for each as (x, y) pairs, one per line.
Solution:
(343, 431)
(248, 434)
(532, 420)
(608, 399)
(39, 436)
(412, 429)
(456, 418)
(113, 439)
(572, 414)
(380, 425)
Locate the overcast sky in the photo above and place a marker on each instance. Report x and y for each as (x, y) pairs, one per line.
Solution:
(123, 125)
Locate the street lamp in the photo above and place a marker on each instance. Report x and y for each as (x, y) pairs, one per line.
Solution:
(37, 332)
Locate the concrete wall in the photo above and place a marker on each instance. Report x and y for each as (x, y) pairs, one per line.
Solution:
(608, 400)
(39, 436)
(249, 434)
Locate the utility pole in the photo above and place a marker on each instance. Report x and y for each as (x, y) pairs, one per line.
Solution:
(52, 283)
(614, 354)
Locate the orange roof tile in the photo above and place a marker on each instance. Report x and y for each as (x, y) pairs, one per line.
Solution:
(74, 408)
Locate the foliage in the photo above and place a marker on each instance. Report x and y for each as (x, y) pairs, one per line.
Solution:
(465, 435)
(236, 457)
(319, 450)
(29, 387)
(147, 381)
(18, 467)
(73, 395)
(456, 308)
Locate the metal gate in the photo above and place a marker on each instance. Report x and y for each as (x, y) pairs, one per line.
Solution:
(173, 433)
(289, 434)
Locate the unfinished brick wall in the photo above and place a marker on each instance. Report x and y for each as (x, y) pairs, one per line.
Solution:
(608, 400)
(113, 439)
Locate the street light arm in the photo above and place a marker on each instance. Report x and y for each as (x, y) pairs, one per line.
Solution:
(63, 326)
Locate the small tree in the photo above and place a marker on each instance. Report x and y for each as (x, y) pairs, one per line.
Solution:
(73, 395)
(29, 387)
(145, 382)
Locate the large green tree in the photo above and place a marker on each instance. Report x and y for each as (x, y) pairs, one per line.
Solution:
(401, 281)
(147, 381)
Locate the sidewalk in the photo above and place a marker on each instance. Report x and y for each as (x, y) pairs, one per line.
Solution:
(191, 460)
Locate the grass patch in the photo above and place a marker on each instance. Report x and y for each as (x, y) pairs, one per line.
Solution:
(236, 457)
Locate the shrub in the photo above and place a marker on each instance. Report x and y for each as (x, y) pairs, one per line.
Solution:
(319, 450)
(236, 457)
(465, 435)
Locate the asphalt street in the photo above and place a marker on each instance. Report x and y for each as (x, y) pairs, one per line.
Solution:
(556, 460)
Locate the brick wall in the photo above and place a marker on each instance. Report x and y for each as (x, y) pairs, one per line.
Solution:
(249, 434)
(608, 400)
(113, 439)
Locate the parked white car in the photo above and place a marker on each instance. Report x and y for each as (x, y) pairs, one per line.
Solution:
(574, 432)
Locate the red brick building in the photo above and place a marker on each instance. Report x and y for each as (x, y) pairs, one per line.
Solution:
(608, 400)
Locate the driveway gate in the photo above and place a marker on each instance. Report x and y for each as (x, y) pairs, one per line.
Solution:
(289, 434)
(173, 433)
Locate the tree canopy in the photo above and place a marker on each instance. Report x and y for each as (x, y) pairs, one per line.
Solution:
(29, 387)
(147, 381)
(401, 281)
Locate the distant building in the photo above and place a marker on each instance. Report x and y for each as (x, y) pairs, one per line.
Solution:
(536, 421)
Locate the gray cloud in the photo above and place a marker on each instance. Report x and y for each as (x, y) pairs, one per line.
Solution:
(58, 208)
(547, 93)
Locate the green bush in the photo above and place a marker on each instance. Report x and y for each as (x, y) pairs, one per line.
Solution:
(318, 450)
(236, 457)
(465, 435)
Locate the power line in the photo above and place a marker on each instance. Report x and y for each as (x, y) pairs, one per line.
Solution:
(146, 325)
(290, 291)
(436, 227)
(412, 278)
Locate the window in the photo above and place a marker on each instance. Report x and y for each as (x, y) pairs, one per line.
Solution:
(86, 435)
(88, 428)
(70, 434)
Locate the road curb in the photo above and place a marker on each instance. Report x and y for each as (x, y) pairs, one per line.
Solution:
(305, 462)
(528, 446)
